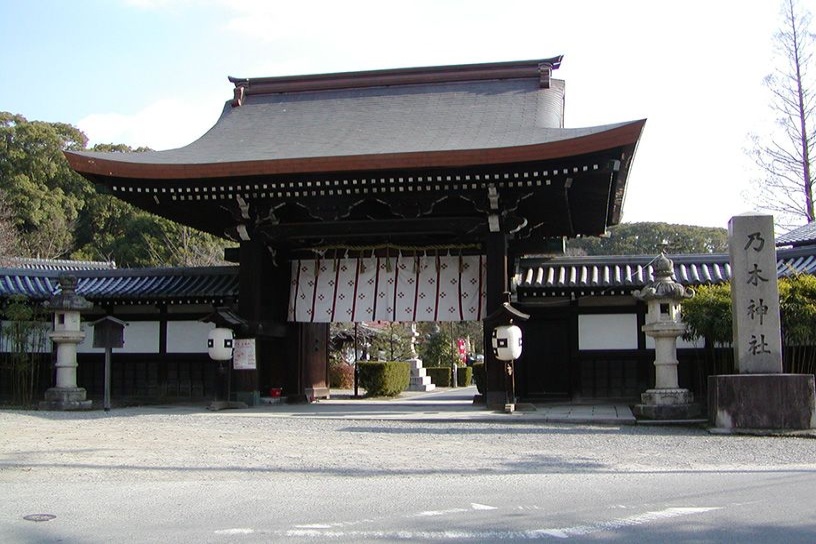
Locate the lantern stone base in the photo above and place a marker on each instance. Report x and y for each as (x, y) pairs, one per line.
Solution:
(667, 404)
(762, 401)
(65, 399)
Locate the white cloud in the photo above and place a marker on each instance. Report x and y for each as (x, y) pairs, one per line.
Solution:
(156, 5)
(165, 124)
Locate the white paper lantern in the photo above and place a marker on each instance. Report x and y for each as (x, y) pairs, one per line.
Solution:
(219, 344)
(507, 342)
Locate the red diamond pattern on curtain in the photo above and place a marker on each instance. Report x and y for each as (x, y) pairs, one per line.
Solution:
(398, 288)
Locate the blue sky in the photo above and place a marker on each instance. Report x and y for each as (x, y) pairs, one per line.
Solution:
(154, 72)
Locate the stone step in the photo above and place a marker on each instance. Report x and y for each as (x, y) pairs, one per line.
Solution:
(422, 387)
(420, 380)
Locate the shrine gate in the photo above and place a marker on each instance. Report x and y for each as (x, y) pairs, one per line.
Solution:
(402, 194)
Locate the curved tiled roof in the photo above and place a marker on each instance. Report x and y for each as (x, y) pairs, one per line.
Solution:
(169, 285)
(404, 118)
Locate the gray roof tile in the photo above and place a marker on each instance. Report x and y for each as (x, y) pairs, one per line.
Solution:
(377, 120)
(173, 285)
(806, 234)
(599, 274)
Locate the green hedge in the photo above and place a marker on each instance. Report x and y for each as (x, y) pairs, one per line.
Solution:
(384, 379)
(480, 377)
(440, 375)
(464, 375)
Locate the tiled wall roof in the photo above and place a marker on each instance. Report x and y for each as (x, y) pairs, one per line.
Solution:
(558, 276)
(171, 285)
(555, 276)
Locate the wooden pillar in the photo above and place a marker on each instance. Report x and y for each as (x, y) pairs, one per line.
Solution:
(263, 302)
(161, 372)
(314, 359)
(497, 285)
(291, 356)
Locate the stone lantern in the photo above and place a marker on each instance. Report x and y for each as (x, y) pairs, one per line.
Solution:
(663, 297)
(66, 334)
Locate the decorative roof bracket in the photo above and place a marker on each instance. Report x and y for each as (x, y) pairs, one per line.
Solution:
(545, 73)
(238, 95)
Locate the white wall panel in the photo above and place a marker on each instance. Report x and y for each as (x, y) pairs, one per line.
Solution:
(140, 337)
(607, 331)
(187, 336)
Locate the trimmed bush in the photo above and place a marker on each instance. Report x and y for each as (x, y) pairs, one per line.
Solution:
(384, 379)
(464, 375)
(480, 377)
(341, 376)
(440, 375)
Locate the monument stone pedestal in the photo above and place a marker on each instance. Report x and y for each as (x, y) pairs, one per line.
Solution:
(419, 380)
(762, 401)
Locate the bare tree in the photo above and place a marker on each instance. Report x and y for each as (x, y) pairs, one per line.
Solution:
(784, 156)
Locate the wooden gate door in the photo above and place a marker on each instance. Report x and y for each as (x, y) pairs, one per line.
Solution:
(544, 369)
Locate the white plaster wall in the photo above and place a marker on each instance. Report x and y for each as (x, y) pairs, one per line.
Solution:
(607, 331)
(187, 336)
(140, 337)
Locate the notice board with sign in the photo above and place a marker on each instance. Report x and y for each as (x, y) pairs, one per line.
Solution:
(243, 357)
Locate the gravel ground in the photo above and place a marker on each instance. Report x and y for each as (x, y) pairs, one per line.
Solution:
(193, 444)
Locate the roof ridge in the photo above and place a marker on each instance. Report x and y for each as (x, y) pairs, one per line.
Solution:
(541, 68)
(57, 264)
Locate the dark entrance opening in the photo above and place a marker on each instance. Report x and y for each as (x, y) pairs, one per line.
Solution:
(543, 371)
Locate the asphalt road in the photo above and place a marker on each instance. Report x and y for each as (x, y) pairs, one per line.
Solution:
(188, 475)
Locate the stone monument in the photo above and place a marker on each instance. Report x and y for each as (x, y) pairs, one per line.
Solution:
(666, 401)
(419, 380)
(760, 396)
(67, 333)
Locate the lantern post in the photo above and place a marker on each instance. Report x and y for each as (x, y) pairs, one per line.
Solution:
(506, 342)
(220, 344)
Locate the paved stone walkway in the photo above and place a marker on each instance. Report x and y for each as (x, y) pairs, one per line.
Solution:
(448, 405)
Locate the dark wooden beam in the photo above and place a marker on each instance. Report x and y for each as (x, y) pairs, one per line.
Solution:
(453, 226)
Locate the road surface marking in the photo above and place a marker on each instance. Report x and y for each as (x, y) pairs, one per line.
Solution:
(487, 536)
(237, 531)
